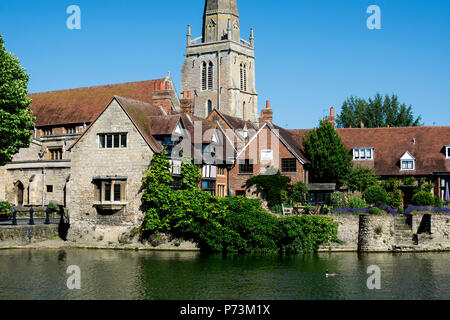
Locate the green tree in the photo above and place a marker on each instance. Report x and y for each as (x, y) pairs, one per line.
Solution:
(16, 118)
(360, 178)
(330, 159)
(274, 185)
(376, 112)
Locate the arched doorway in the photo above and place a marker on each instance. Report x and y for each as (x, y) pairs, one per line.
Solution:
(19, 193)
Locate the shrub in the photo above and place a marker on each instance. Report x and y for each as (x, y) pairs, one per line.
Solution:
(423, 198)
(356, 202)
(438, 201)
(338, 200)
(401, 211)
(360, 178)
(273, 185)
(375, 195)
(427, 187)
(409, 181)
(375, 210)
(298, 193)
(5, 207)
(395, 198)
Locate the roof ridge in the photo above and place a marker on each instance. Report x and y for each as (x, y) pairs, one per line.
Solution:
(95, 87)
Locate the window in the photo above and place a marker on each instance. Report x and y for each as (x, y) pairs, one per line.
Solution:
(407, 164)
(204, 76)
(209, 186)
(71, 130)
(221, 190)
(55, 154)
(363, 154)
(210, 76)
(209, 107)
(49, 189)
(243, 77)
(447, 152)
(288, 165)
(220, 171)
(110, 191)
(47, 131)
(246, 167)
(109, 141)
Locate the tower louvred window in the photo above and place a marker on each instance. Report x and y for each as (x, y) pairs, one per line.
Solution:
(210, 76)
(204, 76)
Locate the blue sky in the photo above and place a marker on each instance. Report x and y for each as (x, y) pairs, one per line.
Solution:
(311, 55)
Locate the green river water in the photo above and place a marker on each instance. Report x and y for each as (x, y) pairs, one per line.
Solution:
(110, 274)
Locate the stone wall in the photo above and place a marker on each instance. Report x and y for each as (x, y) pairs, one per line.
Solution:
(89, 161)
(419, 232)
(23, 235)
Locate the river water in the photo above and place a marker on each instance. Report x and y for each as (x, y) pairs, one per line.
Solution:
(109, 274)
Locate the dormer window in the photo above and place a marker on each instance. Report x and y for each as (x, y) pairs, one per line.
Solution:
(447, 152)
(407, 162)
(363, 154)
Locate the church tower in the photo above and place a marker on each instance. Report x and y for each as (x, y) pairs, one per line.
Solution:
(219, 69)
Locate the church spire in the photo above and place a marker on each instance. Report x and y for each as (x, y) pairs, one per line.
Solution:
(217, 16)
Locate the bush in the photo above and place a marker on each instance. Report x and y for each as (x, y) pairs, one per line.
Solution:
(298, 193)
(273, 185)
(338, 200)
(375, 195)
(401, 211)
(423, 198)
(356, 202)
(375, 210)
(409, 181)
(438, 202)
(5, 207)
(395, 198)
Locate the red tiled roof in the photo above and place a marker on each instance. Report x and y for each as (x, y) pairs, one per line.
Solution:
(85, 104)
(391, 143)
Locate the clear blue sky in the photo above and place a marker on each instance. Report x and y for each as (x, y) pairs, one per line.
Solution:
(311, 55)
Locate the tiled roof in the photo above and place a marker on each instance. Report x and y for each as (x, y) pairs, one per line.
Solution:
(426, 145)
(85, 104)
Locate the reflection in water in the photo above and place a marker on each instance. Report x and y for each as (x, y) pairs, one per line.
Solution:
(108, 274)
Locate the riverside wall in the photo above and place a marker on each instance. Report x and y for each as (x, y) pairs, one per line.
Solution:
(381, 233)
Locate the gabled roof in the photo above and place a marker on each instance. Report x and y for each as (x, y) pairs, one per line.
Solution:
(139, 114)
(83, 105)
(285, 137)
(425, 143)
(407, 156)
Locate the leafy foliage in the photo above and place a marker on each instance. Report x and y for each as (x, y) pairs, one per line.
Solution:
(375, 195)
(273, 185)
(298, 193)
(395, 198)
(191, 175)
(231, 224)
(376, 112)
(423, 198)
(16, 119)
(330, 159)
(5, 207)
(360, 178)
(342, 200)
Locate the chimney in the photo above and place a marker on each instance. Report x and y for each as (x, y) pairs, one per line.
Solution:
(187, 103)
(266, 114)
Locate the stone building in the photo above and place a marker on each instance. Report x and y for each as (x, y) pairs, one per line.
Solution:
(220, 66)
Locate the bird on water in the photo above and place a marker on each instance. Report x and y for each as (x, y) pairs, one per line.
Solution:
(330, 274)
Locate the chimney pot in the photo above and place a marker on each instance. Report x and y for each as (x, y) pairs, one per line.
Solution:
(189, 94)
(332, 112)
(268, 104)
(161, 85)
(167, 85)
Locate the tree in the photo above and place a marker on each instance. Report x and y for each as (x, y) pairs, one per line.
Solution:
(274, 185)
(376, 113)
(330, 159)
(16, 118)
(360, 178)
